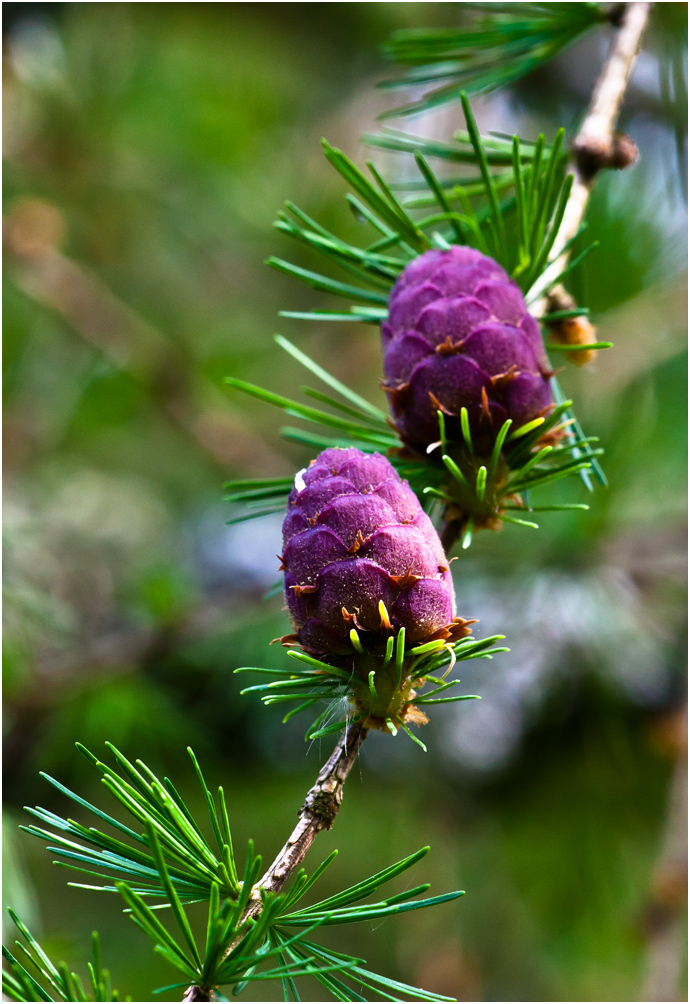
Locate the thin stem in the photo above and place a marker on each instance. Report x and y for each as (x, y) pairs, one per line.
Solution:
(318, 811)
(595, 143)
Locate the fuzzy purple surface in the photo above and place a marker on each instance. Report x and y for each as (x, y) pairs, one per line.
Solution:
(458, 333)
(355, 534)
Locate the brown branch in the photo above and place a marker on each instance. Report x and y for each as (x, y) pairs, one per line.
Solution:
(597, 145)
(319, 809)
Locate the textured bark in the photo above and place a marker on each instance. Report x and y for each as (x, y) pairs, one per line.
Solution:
(318, 811)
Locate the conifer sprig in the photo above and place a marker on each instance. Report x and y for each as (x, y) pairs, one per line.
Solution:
(192, 863)
(503, 42)
(511, 210)
(498, 152)
(37, 978)
(242, 943)
(249, 942)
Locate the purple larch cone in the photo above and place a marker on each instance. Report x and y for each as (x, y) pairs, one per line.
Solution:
(360, 552)
(458, 335)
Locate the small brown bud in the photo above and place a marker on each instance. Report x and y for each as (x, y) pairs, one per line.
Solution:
(594, 153)
(575, 331)
(625, 152)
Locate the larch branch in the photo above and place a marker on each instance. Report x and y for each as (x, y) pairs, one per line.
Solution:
(596, 145)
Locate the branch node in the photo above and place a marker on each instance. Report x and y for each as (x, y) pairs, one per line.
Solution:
(324, 807)
(593, 153)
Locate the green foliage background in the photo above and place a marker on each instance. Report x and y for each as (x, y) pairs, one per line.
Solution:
(148, 147)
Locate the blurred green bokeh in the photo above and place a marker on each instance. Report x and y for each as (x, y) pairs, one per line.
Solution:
(147, 149)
